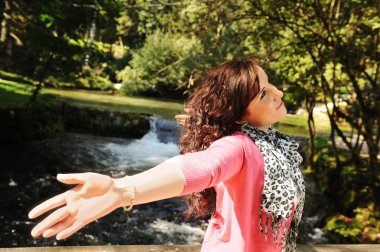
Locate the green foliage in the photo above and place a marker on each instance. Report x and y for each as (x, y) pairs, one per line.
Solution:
(94, 78)
(56, 82)
(139, 18)
(162, 65)
(352, 183)
(53, 38)
(363, 227)
(321, 143)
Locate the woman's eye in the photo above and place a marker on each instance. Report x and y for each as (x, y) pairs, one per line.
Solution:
(263, 94)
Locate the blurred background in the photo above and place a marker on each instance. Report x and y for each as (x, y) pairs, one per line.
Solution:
(94, 85)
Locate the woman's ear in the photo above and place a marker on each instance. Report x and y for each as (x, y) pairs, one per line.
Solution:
(240, 121)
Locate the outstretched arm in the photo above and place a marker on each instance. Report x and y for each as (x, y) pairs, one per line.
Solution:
(96, 195)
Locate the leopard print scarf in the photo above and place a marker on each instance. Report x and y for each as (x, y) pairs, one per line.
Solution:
(284, 188)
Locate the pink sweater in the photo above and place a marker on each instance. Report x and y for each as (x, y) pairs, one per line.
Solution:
(234, 166)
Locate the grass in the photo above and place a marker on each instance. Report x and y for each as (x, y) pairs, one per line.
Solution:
(165, 109)
(13, 94)
(296, 125)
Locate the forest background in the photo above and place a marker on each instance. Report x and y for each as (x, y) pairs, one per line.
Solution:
(321, 52)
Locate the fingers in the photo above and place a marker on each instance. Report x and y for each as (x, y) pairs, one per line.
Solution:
(52, 203)
(181, 119)
(58, 227)
(69, 231)
(73, 178)
(49, 221)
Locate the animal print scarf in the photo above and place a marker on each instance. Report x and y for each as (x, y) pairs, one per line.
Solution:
(284, 188)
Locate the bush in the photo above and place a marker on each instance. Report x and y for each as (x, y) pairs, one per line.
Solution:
(94, 78)
(363, 227)
(161, 66)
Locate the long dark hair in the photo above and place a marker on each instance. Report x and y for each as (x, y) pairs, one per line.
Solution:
(214, 110)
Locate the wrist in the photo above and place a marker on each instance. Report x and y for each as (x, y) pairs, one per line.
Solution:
(126, 191)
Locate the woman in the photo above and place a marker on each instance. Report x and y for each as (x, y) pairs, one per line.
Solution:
(233, 163)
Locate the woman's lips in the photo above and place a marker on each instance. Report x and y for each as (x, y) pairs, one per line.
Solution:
(282, 103)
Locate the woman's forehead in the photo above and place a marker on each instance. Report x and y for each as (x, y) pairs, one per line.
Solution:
(262, 75)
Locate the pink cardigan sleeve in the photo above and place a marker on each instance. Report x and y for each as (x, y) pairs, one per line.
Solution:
(222, 160)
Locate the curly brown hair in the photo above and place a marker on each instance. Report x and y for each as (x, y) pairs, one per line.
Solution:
(214, 111)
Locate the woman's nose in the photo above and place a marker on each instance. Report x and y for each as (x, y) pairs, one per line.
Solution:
(278, 94)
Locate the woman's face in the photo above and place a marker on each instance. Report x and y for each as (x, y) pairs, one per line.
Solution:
(267, 107)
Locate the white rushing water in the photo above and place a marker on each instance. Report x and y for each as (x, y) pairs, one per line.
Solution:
(139, 154)
(176, 233)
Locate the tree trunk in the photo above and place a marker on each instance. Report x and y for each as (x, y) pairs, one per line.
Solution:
(310, 105)
(41, 78)
(4, 24)
(5, 39)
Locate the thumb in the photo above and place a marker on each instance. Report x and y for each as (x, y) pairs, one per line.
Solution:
(72, 178)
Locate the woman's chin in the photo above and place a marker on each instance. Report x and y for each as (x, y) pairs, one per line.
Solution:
(284, 112)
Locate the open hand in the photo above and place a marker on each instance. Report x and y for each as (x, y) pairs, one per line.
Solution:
(93, 197)
(181, 118)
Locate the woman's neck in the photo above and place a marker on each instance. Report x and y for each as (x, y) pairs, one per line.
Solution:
(264, 128)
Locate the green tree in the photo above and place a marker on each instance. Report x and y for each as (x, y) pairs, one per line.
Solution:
(340, 39)
(162, 66)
